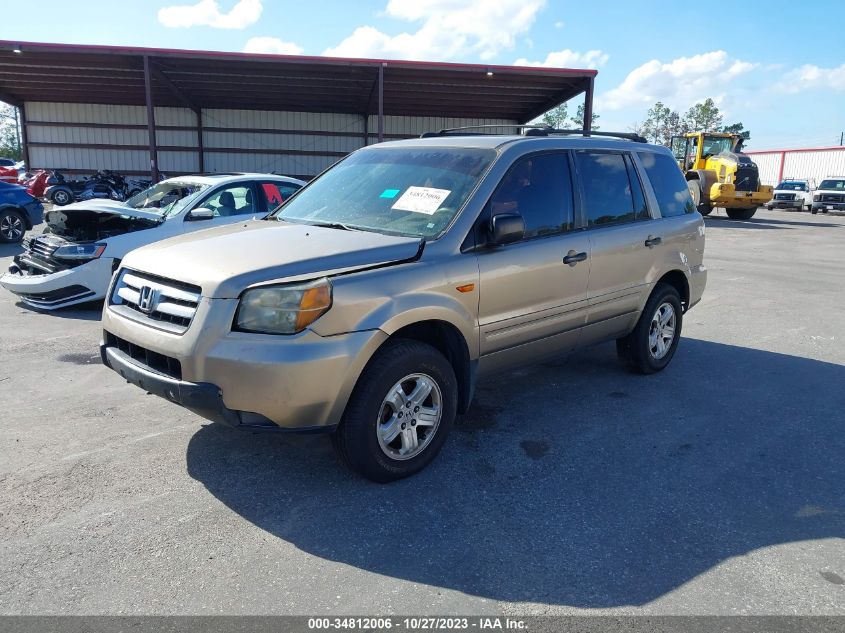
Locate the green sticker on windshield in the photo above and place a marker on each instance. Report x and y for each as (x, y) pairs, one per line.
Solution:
(389, 193)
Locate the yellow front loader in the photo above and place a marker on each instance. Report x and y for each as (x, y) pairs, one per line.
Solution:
(719, 174)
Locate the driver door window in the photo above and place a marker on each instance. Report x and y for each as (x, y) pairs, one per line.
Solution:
(539, 188)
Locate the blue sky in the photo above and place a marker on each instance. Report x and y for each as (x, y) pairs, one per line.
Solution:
(774, 69)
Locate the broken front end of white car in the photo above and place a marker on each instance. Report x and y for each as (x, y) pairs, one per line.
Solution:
(73, 260)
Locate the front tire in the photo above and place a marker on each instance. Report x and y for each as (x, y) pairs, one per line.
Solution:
(741, 214)
(694, 187)
(649, 348)
(12, 226)
(400, 412)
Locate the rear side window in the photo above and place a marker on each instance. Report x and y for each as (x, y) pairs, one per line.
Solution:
(539, 188)
(670, 187)
(608, 192)
(277, 193)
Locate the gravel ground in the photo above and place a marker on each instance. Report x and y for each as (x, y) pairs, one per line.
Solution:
(715, 487)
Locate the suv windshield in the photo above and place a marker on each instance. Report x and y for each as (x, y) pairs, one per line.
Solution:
(166, 197)
(792, 186)
(403, 191)
(837, 184)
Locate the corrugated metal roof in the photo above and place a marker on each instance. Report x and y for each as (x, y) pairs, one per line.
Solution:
(115, 75)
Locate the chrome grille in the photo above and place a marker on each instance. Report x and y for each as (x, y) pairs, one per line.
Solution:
(43, 247)
(784, 196)
(162, 303)
(831, 197)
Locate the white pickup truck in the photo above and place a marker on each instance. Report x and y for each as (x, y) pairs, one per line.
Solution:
(792, 194)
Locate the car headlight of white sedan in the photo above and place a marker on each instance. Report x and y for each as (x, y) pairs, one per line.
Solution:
(79, 252)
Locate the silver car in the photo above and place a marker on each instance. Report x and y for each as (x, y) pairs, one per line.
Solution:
(373, 301)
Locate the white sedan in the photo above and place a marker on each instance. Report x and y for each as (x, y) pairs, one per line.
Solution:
(73, 260)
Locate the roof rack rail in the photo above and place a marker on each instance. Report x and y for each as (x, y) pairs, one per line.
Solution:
(532, 129)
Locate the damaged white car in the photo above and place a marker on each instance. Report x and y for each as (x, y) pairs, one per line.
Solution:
(73, 260)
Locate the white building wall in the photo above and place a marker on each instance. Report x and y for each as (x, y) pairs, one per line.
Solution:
(292, 143)
(810, 164)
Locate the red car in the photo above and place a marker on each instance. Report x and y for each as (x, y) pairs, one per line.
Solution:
(9, 174)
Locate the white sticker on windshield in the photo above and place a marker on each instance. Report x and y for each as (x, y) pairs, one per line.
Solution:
(421, 200)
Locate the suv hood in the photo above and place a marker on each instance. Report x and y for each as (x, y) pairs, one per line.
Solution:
(112, 207)
(224, 261)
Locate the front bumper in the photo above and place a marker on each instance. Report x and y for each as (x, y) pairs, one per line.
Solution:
(785, 204)
(86, 282)
(300, 382)
(828, 206)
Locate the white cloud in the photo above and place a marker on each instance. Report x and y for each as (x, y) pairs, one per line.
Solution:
(559, 24)
(272, 45)
(569, 59)
(207, 13)
(810, 76)
(678, 83)
(448, 29)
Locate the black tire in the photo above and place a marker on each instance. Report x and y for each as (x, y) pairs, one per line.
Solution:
(61, 197)
(635, 349)
(741, 214)
(813, 211)
(12, 226)
(694, 187)
(356, 439)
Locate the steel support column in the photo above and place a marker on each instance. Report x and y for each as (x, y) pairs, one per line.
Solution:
(588, 105)
(151, 120)
(200, 147)
(381, 103)
(366, 129)
(24, 136)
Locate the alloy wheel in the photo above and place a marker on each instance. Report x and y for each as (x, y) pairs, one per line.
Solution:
(11, 227)
(661, 332)
(409, 416)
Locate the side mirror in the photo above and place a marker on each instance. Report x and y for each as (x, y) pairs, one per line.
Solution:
(202, 213)
(506, 228)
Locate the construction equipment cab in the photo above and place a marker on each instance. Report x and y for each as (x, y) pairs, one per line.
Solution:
(719, 174)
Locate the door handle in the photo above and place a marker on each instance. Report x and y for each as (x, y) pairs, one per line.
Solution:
(651, 242)
(573, 258)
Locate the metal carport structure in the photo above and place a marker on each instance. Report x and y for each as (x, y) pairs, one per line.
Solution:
(197, 99)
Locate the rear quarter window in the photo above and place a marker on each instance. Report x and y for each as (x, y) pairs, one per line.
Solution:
(668, 183)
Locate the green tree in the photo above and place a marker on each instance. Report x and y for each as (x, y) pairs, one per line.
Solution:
(704, 117)
(556, 117)
(661, 124)
(578, 120)
(738, 128)
(9, 135)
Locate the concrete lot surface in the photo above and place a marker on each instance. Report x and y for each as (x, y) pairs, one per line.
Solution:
(716, 487)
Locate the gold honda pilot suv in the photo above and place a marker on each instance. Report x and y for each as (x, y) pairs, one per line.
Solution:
(371, 303)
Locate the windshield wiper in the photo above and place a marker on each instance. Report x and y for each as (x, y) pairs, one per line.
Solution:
(334, 225)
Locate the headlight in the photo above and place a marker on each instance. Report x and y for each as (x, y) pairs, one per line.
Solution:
(283, 309)
(79, 251)
(816, 198)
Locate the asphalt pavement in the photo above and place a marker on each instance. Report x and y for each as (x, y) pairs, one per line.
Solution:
(715, 487)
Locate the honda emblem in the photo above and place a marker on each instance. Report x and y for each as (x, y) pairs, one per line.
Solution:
(147, 299)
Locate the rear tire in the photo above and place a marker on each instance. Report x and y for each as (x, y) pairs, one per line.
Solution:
(387, 432)
(61, 198)
(649, 348)
(741, 214)
(12, 226)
